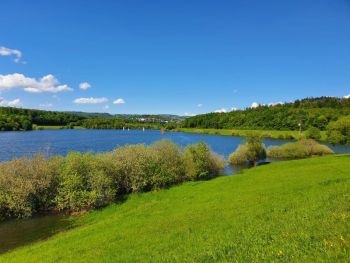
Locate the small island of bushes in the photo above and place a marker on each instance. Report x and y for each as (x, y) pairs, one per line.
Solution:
(253, 150)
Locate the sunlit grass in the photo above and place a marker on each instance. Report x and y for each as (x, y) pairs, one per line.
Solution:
(287, 211)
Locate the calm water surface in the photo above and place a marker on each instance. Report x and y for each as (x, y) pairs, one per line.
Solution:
(50, 142)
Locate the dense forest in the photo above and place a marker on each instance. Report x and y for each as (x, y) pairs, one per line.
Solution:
(328, 114)
(310, 112)
(14, 119)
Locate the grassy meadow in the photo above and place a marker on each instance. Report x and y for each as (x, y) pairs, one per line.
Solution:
(286, 211)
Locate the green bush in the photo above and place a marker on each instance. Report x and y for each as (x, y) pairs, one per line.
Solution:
(26, 186)
(47, 195)
(315, 148)
(85, 181)
(339, 131)
(136, 164)
(313, 133)
(287, 151)
(239, 156)
(111, 168)
(336, 137)
(301, 149)
(201, 162)
(250, 152)
(83, 185)
(4, 211)
(170, 164)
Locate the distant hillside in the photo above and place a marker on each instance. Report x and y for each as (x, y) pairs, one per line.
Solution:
(309, 112)
(169, 117)
(23, 119)
(90, 114)
(14, 119)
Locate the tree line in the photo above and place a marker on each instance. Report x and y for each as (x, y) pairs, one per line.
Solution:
(323, 114)
(312, 114)
(15, 119)
(317, 112)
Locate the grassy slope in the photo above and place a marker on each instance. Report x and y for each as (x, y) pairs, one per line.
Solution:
(264, 133)
(296, 210)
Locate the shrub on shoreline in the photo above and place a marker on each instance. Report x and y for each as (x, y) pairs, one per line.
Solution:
(339, 131)
(313, 133)
(239, 156)
(201, 162)
(27, 185)
(84, 181)
(83, 184)
(297, 150)
(287, 151)
(250, 152)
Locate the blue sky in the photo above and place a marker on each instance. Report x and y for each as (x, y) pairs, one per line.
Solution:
(172, 56)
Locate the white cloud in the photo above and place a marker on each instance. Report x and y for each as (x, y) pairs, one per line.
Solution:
(189, 114)
(199, 105)
(233, 109)
(10, 103)
(275, 103)
(254, 105)
(84, 85)
(90, 100)
(4, 51)
(46, 105)
(119, 101)
(106, 107)
(47, 83)
(223, 110)
(347, 96)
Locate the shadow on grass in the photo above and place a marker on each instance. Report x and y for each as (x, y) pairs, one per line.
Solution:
(19, 232)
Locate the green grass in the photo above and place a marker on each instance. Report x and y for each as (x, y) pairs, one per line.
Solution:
(286, 211)
(264, 133)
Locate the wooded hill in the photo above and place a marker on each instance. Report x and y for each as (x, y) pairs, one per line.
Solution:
(310, 112)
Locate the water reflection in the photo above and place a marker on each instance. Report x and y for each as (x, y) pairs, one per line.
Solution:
(16, 233)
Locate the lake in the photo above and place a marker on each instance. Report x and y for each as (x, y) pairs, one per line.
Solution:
(51, 142)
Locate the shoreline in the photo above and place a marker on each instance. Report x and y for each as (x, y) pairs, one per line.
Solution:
(268, 134)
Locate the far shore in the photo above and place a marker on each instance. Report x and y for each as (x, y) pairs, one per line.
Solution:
(272, 134)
